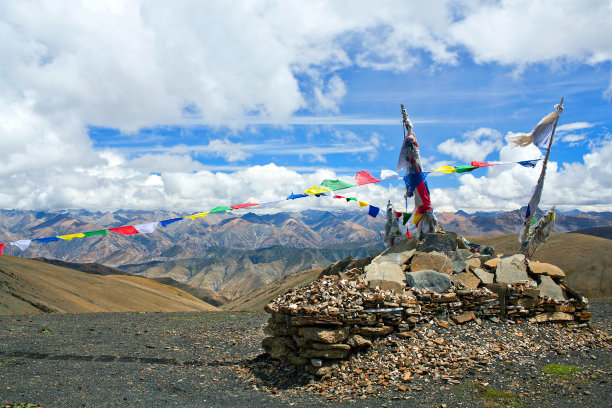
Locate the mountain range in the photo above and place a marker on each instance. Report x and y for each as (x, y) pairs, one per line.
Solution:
(230, 254)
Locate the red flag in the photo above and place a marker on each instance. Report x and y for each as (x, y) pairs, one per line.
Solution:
(339, 196)
(235, 207)
(1, 248)
(363, 177)
(481, 164)
(398, 214)
(128, 230)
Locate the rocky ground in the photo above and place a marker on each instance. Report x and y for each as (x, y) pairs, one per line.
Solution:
(215, 359)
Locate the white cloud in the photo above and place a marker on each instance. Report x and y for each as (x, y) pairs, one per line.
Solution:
(67, 65)
(570, 127)
(476, 145)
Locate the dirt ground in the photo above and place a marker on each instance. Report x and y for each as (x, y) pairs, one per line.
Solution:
(215, 359)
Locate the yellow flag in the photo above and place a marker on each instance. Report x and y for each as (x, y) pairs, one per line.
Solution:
(362, 203)
(317, 190)
(70, 236)
(446, 169)
(199, 215)
(416, 218)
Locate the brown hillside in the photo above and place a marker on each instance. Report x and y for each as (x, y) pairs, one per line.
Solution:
(257, 299)
(30, 286)
(586, 260)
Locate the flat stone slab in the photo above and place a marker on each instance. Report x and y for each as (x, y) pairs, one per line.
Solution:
(431, 261)
(542, 268)
(427, 279)
(492, 263)
(484, 276)
(549, 288)
(398, 258)
(459, 266)
(386, 276)
(511, 270)
(473, 263)
(467, 279)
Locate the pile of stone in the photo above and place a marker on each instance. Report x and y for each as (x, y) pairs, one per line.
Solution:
(407, 285)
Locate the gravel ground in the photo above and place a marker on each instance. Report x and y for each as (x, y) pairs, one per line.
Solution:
(215, 359)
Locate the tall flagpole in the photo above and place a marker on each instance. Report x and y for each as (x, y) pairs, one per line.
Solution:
(524, 236)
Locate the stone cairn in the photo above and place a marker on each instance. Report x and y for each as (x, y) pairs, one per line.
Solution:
(356, 302)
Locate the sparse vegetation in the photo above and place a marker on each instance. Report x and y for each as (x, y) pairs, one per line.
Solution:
(559, 369)
(23, 405)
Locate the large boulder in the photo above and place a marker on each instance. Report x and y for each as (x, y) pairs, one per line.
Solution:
(473, 263)
(431, 261)
(511, 270)
(459, 266)
(550, 289)
(427, 279)
(358, 342)
(438, 242)
(398, 258)
(386, 276)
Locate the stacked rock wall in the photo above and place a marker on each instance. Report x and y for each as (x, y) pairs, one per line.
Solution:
(335, 316)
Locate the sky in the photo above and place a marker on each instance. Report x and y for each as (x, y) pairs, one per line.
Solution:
(188, 105)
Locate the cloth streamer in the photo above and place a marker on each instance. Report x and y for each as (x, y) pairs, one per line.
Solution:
(22, 244)
(147, 228)
(363, 177)
(127, 230)
(165, 223)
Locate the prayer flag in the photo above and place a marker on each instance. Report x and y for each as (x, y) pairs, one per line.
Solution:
(270, 203)
(373, 211)
(127, 230)
(339, 196)
(220, 209)
(198, 215)
(389, 175)
(529, 163)
(541, 133)
(417, 217)
(235, 207)
(22, 244)
(316, 190)
(294, 196)
(362, 203)
(351, 199)
(336, 184)
(146, 228)
(165, 223)
(405, 218)
(481, 164)
(412, 180)
(446, 169)
(363, 177)
(398, 214)
(99, 232)
(1, 248)
(70, 237)
(464, 169)
(46, 239)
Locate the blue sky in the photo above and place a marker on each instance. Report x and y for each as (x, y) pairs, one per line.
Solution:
(109, 105)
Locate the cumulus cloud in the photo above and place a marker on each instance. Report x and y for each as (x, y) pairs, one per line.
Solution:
(68, 65)
(475, 145)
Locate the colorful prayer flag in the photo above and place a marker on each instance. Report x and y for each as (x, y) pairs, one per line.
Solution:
(220, 209)
(165, 223)
(235, 207)
(446, 169)
(22, 244)
(46, 239)
(405, 218)
(336, 184)
(363, 177)
(373, 211)
(294, 196)
(147, 228)
(198, 215)
(70, 237)
(1, 248)
(529, 163)
(389, 175)
(316, 190)
(464, 169)
(127, 230)
(98, 232)
(362, 203)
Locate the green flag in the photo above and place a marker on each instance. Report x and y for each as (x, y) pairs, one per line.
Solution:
(336, 184)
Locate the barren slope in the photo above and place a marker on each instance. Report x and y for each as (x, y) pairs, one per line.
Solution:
(585, 259)
(30, 286)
